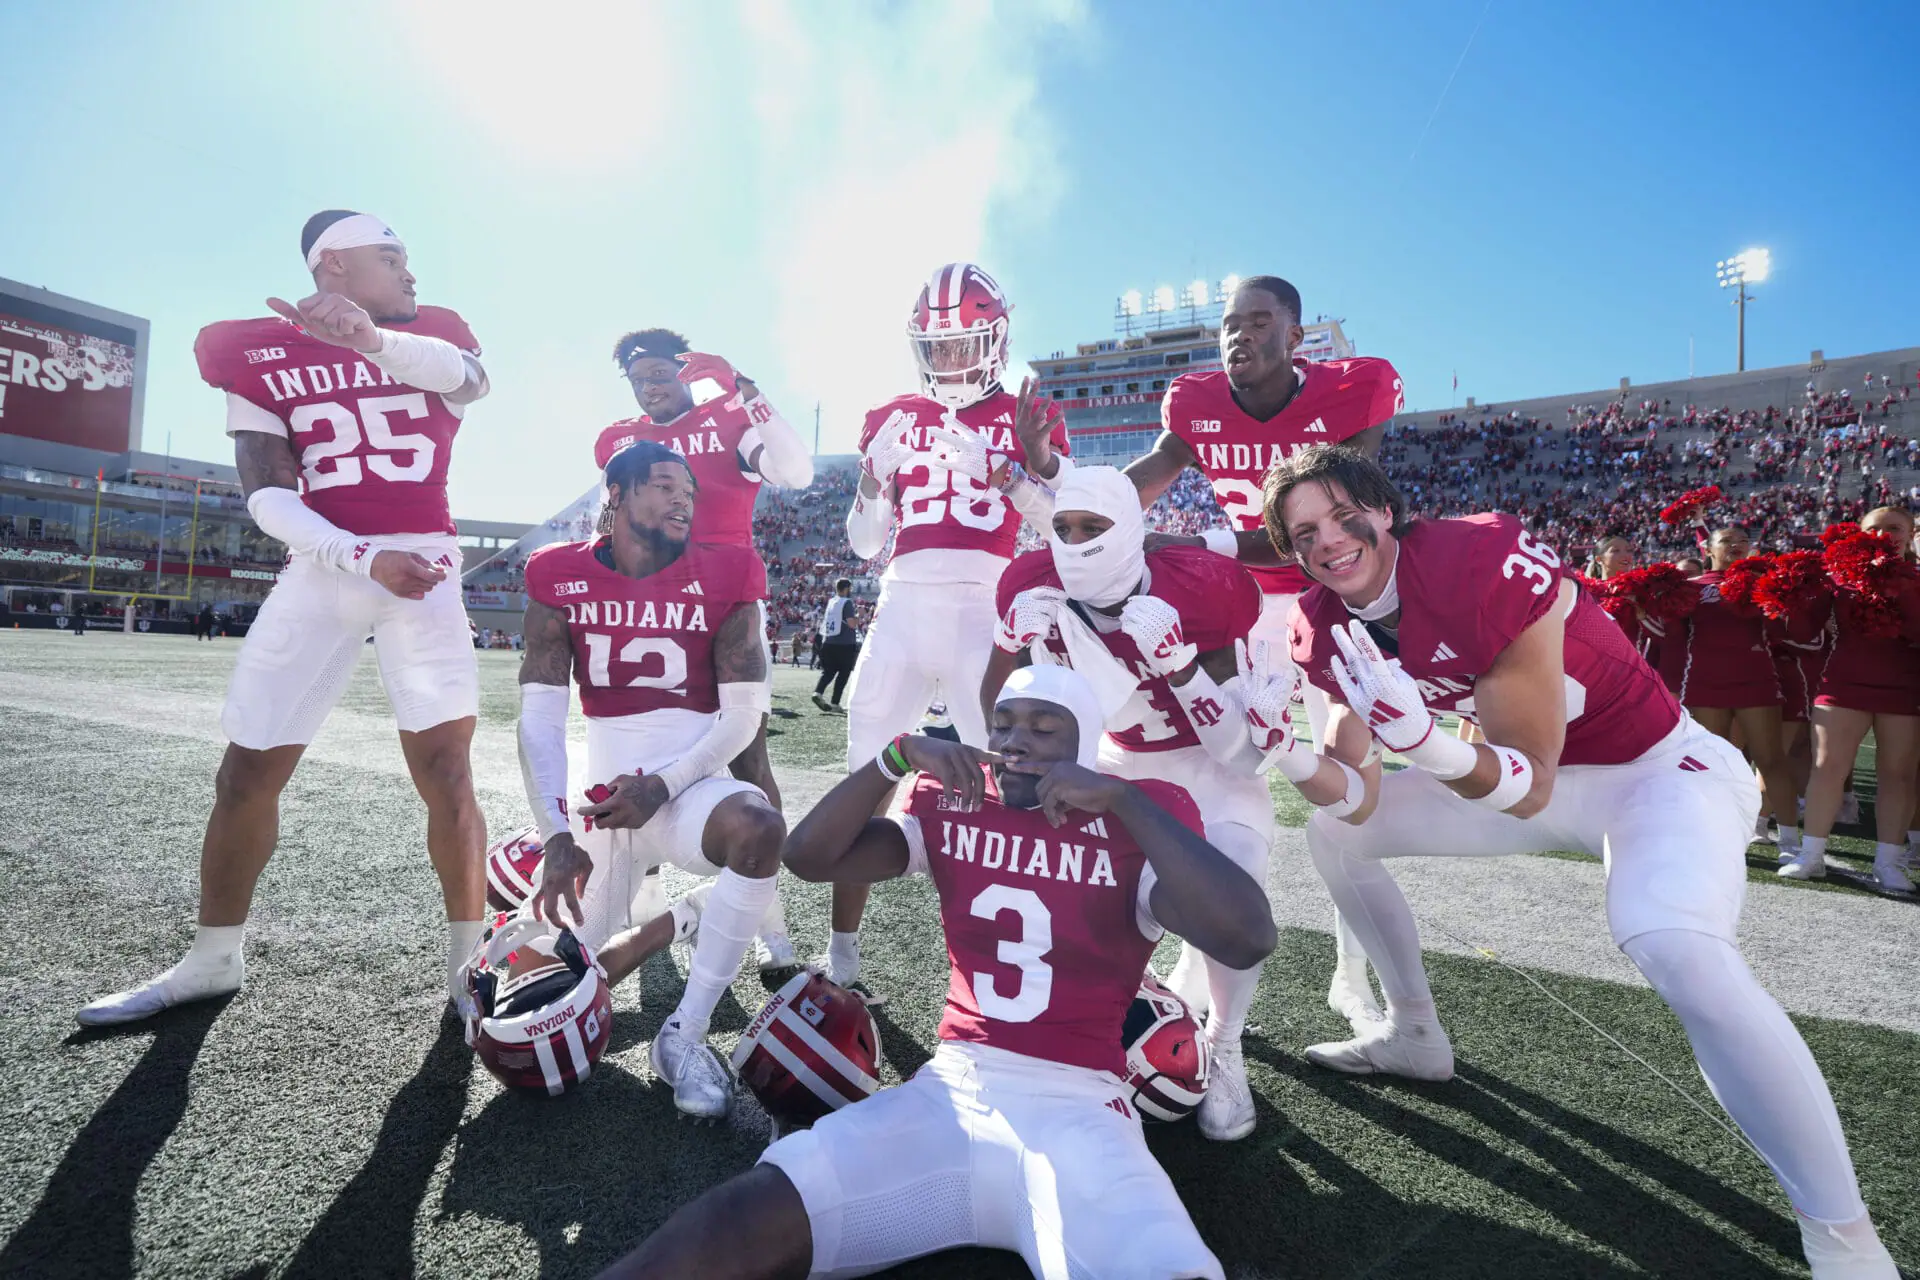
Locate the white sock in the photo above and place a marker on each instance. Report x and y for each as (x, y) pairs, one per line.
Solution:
(686, 911)
(774, 923)
(1884, 852)
(1349, 957)
(462, 937)
(733, 911)
(1230, 992)
(1789, 836)
(1757, 1066)
(844, 949)
(215, 946)
(1813, 847)
(1913, 839)
(1372, 906)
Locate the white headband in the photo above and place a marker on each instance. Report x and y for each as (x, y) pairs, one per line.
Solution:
(1105, 570)
(352, 233)
(1067, 688)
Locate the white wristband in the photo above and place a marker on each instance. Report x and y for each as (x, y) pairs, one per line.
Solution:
(1443, 755)
(1356, 792)
(1222, 542)
(1516, 779)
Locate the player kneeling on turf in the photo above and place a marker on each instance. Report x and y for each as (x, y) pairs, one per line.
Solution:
(663, 638)
(1584, 749)
(1054, 883)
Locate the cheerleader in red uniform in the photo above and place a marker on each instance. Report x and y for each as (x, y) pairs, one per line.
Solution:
(1871, 681)
(1723, 673)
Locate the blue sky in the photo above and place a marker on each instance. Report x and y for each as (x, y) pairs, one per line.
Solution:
(774, 178)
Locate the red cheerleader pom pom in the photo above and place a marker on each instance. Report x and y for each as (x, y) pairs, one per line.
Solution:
(1834, 532)
(1739, 580)
(1794, 583)
(1691, 504)
(1661, 591)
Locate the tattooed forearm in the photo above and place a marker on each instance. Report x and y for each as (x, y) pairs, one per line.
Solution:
(265, 461)
(549, 657)
(739, 656)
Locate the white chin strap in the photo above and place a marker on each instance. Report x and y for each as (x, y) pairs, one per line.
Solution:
(1105, 570)
(352, 233)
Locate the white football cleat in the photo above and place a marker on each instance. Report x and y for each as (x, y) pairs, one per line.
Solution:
(1418, 1052)
(1188, 980)
(775, 952)
(1804, 865)
(1226, 1111)
(843, 971)
(169, 989)
(1890, 871)
(701, 1086)
(1351, 996)
(1845, 1251)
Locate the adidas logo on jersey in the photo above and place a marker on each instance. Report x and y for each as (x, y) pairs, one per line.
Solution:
(1443, 654)
(693, 589)
(1317, 425)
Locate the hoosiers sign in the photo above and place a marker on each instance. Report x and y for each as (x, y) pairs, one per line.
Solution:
(68, 374)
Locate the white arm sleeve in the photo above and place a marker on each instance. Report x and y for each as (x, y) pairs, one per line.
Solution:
(784, 460)
(868, 522)
(742, 705)
(281, 514)
(543, 754)
(1219, 718)
(1143, 917)
(916, 843)
(244, 415)
(1033, 499)
(431, 364)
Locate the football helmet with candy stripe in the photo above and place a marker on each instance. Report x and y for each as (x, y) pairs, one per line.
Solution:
(512, 862)
(542, 1012)
(1166, 1055)
(811, 1050)
(959, 334)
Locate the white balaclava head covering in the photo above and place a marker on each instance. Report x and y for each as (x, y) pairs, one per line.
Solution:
(1064, 687)
(1104, 570)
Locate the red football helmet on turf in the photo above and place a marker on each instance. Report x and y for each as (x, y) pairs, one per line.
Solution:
(812, 1049)
(512, 862)
(1166, 1056)
(542, 1012)
(959, 334)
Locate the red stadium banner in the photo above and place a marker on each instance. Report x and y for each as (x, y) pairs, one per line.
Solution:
(65, 386)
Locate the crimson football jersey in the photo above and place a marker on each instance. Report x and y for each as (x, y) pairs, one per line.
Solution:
(1337, 399)
(941, 510)
(1043, 923)
(1467, 588)
(641, 644)
(1217, 600)
(373, 452)
(709, 436)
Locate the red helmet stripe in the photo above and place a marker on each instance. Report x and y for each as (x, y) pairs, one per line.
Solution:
(802, 1071)
(828, 1052)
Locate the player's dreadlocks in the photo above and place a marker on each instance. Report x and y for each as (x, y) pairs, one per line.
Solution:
(661, 344)
(1284, 293)
(1330, 464)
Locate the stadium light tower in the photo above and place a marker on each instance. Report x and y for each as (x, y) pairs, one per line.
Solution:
(1749, 266)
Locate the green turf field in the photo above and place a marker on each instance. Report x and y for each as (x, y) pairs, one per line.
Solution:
(328, 1122)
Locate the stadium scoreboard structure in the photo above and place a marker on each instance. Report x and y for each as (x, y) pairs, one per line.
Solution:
(71, 372)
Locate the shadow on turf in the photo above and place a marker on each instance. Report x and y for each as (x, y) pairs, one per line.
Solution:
(1373, 1231)
(83, 1224)
(368, 1229)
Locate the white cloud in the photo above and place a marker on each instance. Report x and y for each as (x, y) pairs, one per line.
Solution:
(891, 140)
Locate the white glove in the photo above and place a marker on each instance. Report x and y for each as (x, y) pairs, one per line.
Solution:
(958, 447)
(1154, 627)
(891, 449)
(1030, 617)
(1380, 690)
(1268, 688)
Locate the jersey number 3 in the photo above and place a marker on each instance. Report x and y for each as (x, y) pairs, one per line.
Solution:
(1026, 953)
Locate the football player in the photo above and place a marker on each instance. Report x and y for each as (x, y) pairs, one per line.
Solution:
(937, 473)
(1159, 629)
(1235, 422)
(1583, 749)
(732, 443)
(343, 409)
(1054, 881)
(663, 637)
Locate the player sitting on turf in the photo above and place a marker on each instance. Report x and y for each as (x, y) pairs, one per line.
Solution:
(663, 637)
(343, 411)
(1170, 619)
(1584, 749)
(733, 443)
(1054, 883)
